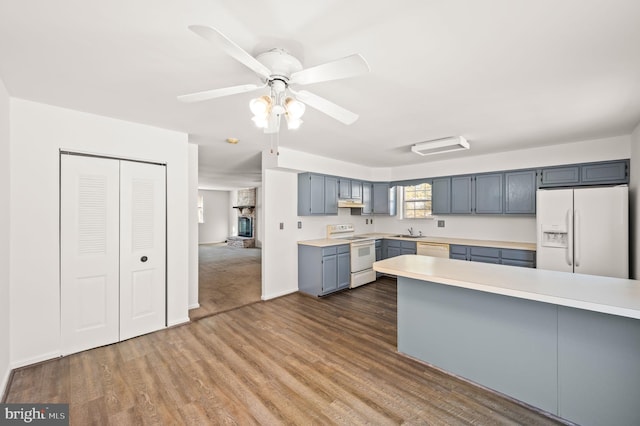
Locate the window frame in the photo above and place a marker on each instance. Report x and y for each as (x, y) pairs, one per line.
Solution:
(428, 200)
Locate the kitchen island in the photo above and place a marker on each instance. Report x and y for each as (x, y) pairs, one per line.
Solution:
(566, 343)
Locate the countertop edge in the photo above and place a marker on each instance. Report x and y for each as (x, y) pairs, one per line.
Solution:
(514, 245)
(623, 311)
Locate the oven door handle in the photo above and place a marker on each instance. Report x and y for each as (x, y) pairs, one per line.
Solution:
(363, 244)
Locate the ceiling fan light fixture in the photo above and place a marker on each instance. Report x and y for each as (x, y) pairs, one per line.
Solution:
(260, 106)
(293, 123)
(260, 121)
(295, 109)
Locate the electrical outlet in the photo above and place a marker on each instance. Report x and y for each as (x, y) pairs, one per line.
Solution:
(299, 224)
(441, 224)
(281, 225)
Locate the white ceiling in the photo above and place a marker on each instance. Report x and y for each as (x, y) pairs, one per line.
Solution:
(505, 74)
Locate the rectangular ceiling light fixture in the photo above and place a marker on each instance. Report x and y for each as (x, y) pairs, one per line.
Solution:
(438, 146)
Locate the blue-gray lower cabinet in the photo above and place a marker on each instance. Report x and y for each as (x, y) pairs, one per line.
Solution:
(399, 247)
(323, 270)
(512, 257)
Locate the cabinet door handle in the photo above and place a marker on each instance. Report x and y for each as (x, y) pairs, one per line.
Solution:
(144, 259)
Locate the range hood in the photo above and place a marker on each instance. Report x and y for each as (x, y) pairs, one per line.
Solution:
(351, 203)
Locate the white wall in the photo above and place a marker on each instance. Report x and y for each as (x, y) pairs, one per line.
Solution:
(280, 195)
(5, 231)
(258, 234)
(613, 148)
(279, 247)
(634, 205)
(232, 213)
(38, 132)
(193, 226)
(215, 228)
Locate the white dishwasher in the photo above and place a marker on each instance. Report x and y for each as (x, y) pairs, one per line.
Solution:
(433, 249)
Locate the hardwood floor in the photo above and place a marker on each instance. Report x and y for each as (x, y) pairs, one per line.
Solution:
(229, 277)
(292, 360)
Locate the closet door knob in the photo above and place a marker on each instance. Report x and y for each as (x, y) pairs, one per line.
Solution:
(144, 259)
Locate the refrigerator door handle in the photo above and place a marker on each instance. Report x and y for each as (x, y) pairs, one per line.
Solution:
(576, 232)
(569, 250)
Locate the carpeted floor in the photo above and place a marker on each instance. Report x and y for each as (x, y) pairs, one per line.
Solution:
(230, 277)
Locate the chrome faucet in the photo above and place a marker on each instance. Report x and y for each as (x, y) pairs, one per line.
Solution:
(410, 230)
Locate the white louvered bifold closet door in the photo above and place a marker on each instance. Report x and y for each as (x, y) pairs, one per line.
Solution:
(142, 248)
(113, 250)
(89, 250)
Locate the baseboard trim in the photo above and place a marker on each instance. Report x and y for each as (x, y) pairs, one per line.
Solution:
(4, 384)
(279, 294)
(36, 359)
(194, 306)
(178, 322)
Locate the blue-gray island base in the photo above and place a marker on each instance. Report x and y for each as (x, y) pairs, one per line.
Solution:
(579, 364)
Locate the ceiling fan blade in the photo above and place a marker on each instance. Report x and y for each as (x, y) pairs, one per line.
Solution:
(328, 107)
(218, 93)
(349, 66)
(231, 49)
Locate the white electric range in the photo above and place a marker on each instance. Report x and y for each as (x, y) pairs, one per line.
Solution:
(362, 251)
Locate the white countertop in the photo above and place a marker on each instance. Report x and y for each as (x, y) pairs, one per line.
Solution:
(324, 242)
(600, 294)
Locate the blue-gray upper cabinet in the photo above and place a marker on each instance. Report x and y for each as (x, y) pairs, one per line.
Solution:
(330, 195)
(441, 195)
(356, 189)
(317, 194)
(383, 201)
(462, 194)
(344, 188)
(489, 193)
(349, 188)
(560, 176)
(600, 173)
(520, 192)
(367, 198)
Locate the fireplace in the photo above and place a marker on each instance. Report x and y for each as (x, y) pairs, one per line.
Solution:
(245, 228)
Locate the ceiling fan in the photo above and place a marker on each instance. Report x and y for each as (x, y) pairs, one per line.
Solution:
(278, 70)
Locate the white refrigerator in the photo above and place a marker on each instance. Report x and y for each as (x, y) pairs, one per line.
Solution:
(584, 230)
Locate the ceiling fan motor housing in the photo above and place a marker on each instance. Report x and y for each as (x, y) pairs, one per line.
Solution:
(281, 63)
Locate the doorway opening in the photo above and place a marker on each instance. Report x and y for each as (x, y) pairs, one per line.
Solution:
(230, 264)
